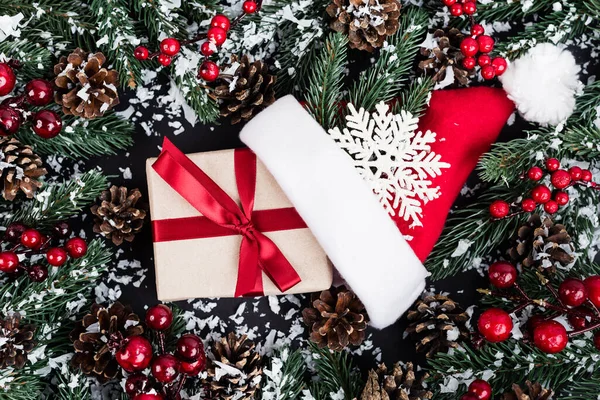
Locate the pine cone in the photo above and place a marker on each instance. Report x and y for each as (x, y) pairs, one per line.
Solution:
(337, 317)
(446, 55)
(543, 245)
(98, 335)
(401, 384)
(17, 341)
(20, 167)
(437, 323)
(83, 87)
(533, 391)
(117, 217)
(232, 354)
(366, 22)
(250, 91)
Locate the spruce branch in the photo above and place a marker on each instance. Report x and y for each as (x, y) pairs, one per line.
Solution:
(387, 76)
(415, 98)
(284, 375)
(336, 373)
(154, 19)
(325, 83)
(196, 96)
(36, 59)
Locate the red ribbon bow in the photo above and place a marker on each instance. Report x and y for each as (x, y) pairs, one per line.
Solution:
(223, 217)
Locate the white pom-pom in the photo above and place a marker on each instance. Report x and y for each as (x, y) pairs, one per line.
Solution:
(543, 84)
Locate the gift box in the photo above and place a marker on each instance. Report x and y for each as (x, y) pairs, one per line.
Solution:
(222, 227)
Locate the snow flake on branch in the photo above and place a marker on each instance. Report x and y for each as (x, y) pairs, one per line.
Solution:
(394, 157)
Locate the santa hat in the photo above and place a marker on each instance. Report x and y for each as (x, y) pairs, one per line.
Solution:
(342, 210)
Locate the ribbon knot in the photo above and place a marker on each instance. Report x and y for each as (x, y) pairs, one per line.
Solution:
(258, 253)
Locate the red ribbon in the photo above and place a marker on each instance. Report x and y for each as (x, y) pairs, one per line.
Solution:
(223, 217)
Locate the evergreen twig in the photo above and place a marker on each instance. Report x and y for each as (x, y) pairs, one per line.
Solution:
(336, 373)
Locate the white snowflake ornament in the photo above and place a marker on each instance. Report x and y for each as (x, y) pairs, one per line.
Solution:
(394, 158)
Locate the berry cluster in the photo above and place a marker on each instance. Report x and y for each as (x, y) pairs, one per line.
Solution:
(23, 243)
(575, 299)
(476, 48)
(214, 38)
(478, 390)
(168, 372)
(14, 110)
(552, 196)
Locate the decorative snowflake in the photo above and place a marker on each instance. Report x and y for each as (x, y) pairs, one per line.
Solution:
(394, 158)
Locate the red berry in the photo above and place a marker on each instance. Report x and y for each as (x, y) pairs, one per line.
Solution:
(10, 121)
(592, 285)
(209, 71)
(217, 36)
(37, 273)
(469, 47)
(499, 209)
(39, 92)
(207, 48)
(484, 60)
(534, 321)
(469, 8)
(597, 340)
(552, 164)
(8, 79)
(499, 65)
(541, 194)
(551, 207)
(572, 292)
(165, 368)
(481, 388)
(456, 10)
(46, 124)
(469, 62)
(250, 7)
(477, 30)
(550, 337)
(31, 238)
(170, 46)
(193, 368)
(449, 2)
(488, 73)
(469, 396)
(135, 354)
(586, 175)
(581, 320)
(76, 247)
(528, 205)
(220, 21)
(9, 261)
(189, 348)
(149, 396)
(486, 43)
(575, 173)
(56, 256)
(164, 60)
(535, 173)
(141, 53)
(502, 274)
(14, 231)
(136, 383)
(61, 229)
(560, 179)
(495, 325)
(561, 198)
(159, 317)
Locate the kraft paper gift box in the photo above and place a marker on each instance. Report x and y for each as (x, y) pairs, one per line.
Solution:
(208, 266)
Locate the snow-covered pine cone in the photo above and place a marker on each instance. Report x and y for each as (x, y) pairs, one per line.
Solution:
(402, 383)
(16, 341)
(444, 56)
(532, 391)
(20, 168)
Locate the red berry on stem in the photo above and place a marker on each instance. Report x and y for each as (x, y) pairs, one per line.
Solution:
(61, 229)
(136, 383)
(575, 173)
(31, 238)
(528, 205)
(560, 179)
(469, 62)
(449, 2)
(495, 325)
(56, 256)
(481, 388)
(469, 396)
(220, 21)
(572, 292)
(209, 71)
(499, 65)
(189, 348)
(488, 73)
(486, 43)
(165, 368)
(552, 164)
(170, 46)
(551, 207)
(9, 261)
(586, 175)
(597, 340)
(456, 10)
(159, 317)
(217, 36)
(135, 354)
(193, 368)
(149, 396)
(535, 173)
(8, 79)
(469, 47)
(541, 194)
(582, 320)
(592, 285)
(550, 337)
(37, 273)
(534, 321)
(502, 274)
(469, 8)
(76, 247)
(39, 92)
(164, 60)
(14, 231)
(10, 121)
(47, 124)
(249, 7)
(207, 48)
(499, 209)
(477, 30)
(484, 60)
(141, 53)
(561, 198)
